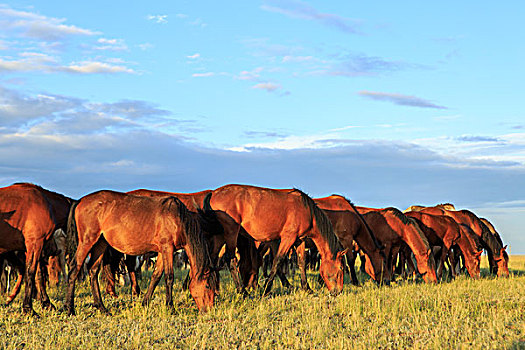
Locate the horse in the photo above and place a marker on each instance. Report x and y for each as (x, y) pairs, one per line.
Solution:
(492, 229)
(349, 225)
(27, 222)
(446, 232)
(219, 228)
(392, 228)
(59, 205)
(286, 215)
(495, 250)
(136, 225)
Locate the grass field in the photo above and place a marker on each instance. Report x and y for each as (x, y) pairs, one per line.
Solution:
(488, 313)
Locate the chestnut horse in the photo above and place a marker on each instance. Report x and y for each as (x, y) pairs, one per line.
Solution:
(26, 224)
(286, 215)
(495, 250)
(218, 227)
(59, 205)
(492, 229)
(136, 225)
(350, 225)
(445, 231)
(392, 228)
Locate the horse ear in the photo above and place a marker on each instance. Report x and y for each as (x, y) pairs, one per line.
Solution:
(478, 254)
(429, 252)
(342, 253)
(505, 247)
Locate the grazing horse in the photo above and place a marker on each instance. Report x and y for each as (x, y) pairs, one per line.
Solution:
(392, 228)
(136, 225)
(446, 232)
(349, 225)
(26, 223)
(286, 215)
(495, 250)
(492, 229)
(218, 227)
(59, 205)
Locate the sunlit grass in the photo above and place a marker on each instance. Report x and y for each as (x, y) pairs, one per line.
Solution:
(488, 313)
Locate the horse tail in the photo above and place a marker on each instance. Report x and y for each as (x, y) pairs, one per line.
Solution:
(71, 232)
(209, 217)
(377, 244)
(324, 225)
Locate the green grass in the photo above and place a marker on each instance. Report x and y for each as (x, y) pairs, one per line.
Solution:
(487, 313)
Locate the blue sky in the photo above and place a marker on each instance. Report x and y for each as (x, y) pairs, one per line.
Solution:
(389, 103)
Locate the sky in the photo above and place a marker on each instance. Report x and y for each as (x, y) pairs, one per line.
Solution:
(387, 103)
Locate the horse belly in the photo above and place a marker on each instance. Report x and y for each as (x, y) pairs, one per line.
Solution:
(130, 244)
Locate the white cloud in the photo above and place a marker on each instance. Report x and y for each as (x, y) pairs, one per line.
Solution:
(270, 87)
(203, 75)
(37, 26)
(194, 56)
(111, 44)
(162, 19)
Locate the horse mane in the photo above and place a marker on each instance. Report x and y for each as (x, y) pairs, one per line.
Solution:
(487, 237)
(409, 221)
(323, 223)
(194, 237)
(397, 213)
(376, 242)
(445, 205)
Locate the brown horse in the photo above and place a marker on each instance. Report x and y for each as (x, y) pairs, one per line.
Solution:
(392, 228)
(446, 232)
(285, 215)
(218, 227)
(59, 205)
(26, 223)
(495, 250)
(350, 225)
(136, 225)
(492, 229)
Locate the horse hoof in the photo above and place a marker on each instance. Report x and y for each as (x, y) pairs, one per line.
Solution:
(30, 312)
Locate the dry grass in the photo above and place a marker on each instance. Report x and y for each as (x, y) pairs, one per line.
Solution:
(488, 313)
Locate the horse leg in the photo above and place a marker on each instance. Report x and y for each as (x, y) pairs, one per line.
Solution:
(109, 269)
(41, 287)
(155, 278)
(131, 263)
(301, 261)
(73, 274)
(280, 270)
(97, 255)
(284, 247)
(168, 271)
(19, 266)
(33, 254)
(350, 262)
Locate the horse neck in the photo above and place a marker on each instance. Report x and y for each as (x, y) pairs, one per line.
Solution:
(414, 238)
(365, 240)
(323, 247)
(466, 243)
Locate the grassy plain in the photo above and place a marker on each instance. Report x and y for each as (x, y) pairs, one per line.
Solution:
(488, 313)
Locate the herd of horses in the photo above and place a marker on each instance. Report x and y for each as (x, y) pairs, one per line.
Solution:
(234, 223)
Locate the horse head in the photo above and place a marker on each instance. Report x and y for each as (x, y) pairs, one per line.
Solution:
(203, 289)
(502, 263)
(376, 267)
(332, 272)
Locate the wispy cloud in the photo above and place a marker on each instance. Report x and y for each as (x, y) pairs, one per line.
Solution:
(37, 62)
(470, 138)
(270, 87)
(203, 75)
(33, 25)
(111, 44)
(302, 10)
(161, 19)
(399, 99)
(194, 56)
